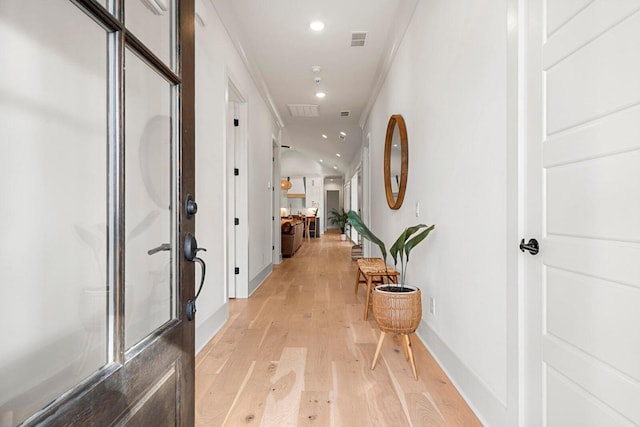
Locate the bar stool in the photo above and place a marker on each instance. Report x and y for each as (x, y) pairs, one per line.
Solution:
(311, 220)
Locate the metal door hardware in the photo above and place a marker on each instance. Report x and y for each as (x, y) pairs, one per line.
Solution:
(190, 206)
(162, 247)
(532, 246)
(190, 250)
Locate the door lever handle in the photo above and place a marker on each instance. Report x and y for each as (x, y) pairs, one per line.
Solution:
(190, 250)
(162, 247)
(531, 246)
(191, 304)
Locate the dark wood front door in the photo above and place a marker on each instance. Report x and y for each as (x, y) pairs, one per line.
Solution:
(97, 110)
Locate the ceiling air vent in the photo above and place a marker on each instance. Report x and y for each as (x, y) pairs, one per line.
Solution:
(358, 38)
(303, 110)
(345, 113)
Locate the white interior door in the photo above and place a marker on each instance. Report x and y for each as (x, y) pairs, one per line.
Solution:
(583, 186)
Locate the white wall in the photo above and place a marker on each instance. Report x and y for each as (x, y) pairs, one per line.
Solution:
(448, 80)
(217, 61)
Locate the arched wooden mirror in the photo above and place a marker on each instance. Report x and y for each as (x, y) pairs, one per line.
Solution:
(396, 161)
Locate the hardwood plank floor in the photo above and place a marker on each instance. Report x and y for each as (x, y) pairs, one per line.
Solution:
(297, 353)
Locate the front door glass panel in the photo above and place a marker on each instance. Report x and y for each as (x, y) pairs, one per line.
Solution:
(149, 242)
(53, 215)
(151, 22)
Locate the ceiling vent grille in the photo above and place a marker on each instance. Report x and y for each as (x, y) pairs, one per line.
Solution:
(345, 113)
(358, 38)
(303, 110)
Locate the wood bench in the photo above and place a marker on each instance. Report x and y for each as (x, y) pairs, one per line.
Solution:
(370, 271)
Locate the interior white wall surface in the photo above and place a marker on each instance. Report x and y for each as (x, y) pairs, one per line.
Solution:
(448, 80)
(295, 163)
(217, 61)
(262, 130)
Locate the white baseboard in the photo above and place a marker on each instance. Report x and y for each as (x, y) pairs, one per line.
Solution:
(483, 402)
(255, 283)
(207, 329)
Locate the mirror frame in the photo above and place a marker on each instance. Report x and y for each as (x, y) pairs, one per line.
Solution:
(396, 120)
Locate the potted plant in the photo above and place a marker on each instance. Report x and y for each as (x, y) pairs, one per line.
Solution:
(397, 308)
(341, 219)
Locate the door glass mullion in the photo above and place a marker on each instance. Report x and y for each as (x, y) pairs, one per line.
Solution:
(176, 159)
(116, 197)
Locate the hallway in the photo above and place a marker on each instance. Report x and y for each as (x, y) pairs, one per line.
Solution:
(298, 353)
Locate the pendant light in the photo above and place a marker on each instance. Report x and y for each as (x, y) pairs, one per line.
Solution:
(285, 184)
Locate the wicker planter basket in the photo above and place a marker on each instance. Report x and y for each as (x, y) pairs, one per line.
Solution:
(397, 312)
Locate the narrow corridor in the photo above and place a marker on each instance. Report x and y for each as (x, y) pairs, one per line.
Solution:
(298, 353)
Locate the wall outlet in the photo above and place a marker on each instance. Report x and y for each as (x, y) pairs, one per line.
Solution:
(432, 305)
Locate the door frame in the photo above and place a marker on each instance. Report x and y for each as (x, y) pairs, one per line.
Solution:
(237, 197)
(516, 207)
(276, 257)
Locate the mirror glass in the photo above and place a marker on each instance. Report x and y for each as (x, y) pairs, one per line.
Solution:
(395, 163)
(396, 155)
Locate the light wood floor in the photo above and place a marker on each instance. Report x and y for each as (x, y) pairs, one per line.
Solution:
(297, 353)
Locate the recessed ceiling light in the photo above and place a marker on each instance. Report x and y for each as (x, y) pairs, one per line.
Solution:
(316, 68)
(320, 94)
(317, 25)
(324, 136)
(335, 167)
(343, 134)
(338, 154)
(395, 145)
(321, 160)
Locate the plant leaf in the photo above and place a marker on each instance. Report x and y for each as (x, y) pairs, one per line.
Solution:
(398, 246)
(356, 222)
(411, 230)
(416, 240)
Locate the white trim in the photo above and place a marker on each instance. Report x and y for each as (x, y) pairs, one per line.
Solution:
(241, 191)
(481, 399)
(211, 326)
(276, 257)
(259, 279)
(514, 149)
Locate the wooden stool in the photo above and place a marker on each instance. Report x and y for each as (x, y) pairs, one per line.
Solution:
(373, 270)
(311, 220)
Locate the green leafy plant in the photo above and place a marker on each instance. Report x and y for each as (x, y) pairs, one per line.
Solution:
(401, 248)
(339, 218)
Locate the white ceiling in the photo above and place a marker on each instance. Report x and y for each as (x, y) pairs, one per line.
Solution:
(279, 48)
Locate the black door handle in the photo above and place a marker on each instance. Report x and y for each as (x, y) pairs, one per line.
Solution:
(190, 250)
(190, 206)
(532, 246)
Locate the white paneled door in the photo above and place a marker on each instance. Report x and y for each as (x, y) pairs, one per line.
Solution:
(582, 291)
